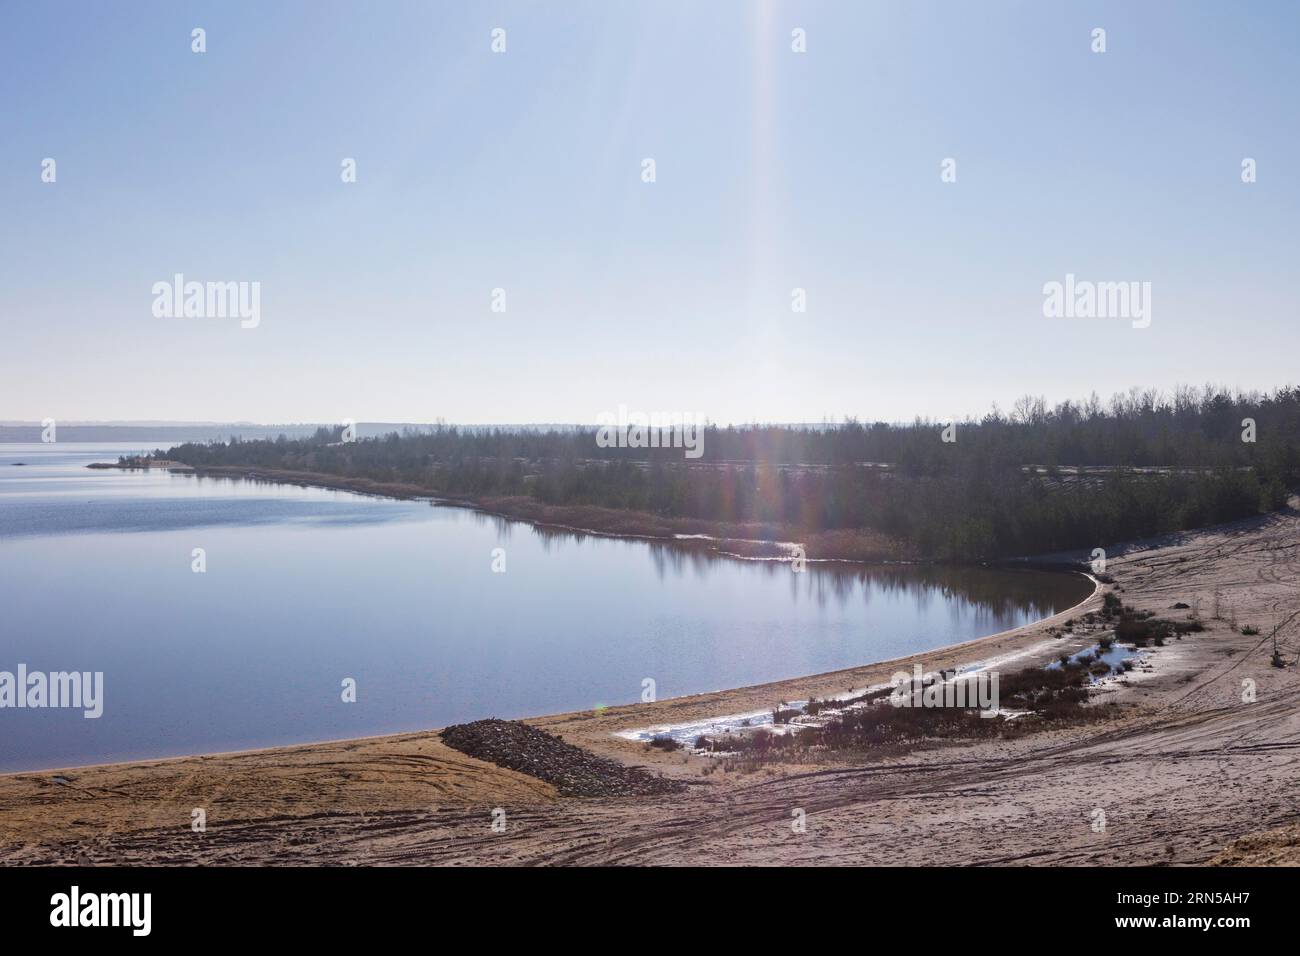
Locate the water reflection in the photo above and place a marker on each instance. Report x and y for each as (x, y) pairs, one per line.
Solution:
(996, 592)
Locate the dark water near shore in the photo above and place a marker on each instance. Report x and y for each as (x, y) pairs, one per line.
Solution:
(307, 587)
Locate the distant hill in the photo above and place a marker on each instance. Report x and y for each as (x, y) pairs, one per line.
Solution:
(169, 433)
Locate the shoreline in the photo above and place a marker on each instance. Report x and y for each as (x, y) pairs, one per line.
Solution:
(755, 541)
(1182, 767)
(619, 711)
(750, 540)
(771, 689)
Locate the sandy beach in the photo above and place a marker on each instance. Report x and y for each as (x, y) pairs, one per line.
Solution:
(1184, 771)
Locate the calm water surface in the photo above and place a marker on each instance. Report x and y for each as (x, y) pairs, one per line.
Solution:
(306, 587)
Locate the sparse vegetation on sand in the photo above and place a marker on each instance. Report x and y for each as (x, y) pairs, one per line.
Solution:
(1040, 697)
(1140, 628)
(1031, 700)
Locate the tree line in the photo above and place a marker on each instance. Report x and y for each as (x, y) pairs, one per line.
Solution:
(1158, 464)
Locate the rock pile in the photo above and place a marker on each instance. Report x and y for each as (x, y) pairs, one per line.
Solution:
(571, 770)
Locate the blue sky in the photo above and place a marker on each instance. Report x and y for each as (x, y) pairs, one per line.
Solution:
(521, 171)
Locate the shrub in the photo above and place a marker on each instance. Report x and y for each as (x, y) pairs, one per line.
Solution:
(783, 715)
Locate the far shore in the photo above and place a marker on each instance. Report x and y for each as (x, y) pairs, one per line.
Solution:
(133, 464)
(748, 540)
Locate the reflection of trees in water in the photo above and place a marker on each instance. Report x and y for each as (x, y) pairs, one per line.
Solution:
(984, 595)
(989, 596)
(666, 556)
(504, 527)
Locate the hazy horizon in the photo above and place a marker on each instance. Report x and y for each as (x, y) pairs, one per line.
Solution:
(1005, 410)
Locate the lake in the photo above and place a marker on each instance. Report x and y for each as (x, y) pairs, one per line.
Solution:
(305, 588)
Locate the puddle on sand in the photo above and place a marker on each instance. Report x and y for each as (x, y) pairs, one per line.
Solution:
(1113, 657)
